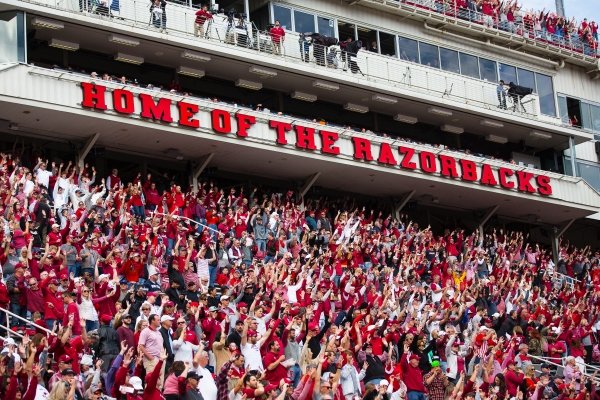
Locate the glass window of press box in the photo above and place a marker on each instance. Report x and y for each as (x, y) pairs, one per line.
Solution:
(579, 113)
(12, 32)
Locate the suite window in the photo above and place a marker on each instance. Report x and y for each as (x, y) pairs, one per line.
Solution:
(346, 30)
(368, 37)
(563, 109)
(508, 73)
(303, 22)
(488, 70)
(430, 55)
(326, 26)
(409, 49)
(546, 94)
(12, 32)
(595, 111)
(586, 117)
(449, 60)
(469, 65)
(283, 15)
(526, 78)
(387, 43)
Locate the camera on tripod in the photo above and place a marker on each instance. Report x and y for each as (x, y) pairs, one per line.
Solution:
(232, 14)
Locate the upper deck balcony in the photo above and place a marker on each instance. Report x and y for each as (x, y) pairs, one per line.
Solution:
(409, 89)
(522, 35)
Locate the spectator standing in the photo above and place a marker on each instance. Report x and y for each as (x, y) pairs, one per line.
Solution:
(202, 16)
(277, 37)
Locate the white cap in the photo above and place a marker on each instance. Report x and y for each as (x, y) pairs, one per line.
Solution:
(87, 360)
(9, 341)
(152, 270)
(383, 382)
(495, 315)
(224, 297)
(136, 382)
(166, 318)
(103, 276)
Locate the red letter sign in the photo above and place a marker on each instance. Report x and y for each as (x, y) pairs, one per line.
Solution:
(328, 140)
(221, 121)
(386, 156)
(123, 101)
(407, 161)
(281, 128)
(504, 174)
(160, 111)
(186, 114)
(362, 149)
(448, 166)
(544, 187)
(93, 96)
(305, 138)
(243, 123)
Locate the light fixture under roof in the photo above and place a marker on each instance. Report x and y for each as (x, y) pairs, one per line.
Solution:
(243, 83)
(263, 72)
(496, 139)
(407, 119)
(540, 135)
(326, 85)
(439, 111)
(452, 129)
(311, 98)
(128, 58)
(190, 55)
(125, 41)
(384, 99)
(356, 108)
(492, 124)
(47, 23)
(195, 73)
(63, 44)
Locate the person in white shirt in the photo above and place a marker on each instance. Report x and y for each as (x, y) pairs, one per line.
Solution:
(250, 347)
(42, 175)
(206, 385)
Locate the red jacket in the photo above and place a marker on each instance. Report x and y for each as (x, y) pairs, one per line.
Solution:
(53, 302)
(277, 34)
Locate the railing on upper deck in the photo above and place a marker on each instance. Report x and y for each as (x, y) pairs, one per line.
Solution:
(180, 22)
(521, 29)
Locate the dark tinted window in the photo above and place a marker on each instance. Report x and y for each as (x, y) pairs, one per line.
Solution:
(469, 65)
(429, 55)
(449, 60)
(409, 49)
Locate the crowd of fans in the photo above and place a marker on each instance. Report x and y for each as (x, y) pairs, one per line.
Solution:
(509, 15)
(147, 290)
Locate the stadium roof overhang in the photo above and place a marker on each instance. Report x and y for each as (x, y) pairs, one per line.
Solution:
(48, 103)
(232, 63)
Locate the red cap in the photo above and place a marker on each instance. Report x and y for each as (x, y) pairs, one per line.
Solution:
(313, 327)
(252, 333)
(242, 304)
(194, 304)
(65, 359)
(106, 318)
(169, 304)
(270, 387)
(414, 357)
(151, 294)
(19, 265)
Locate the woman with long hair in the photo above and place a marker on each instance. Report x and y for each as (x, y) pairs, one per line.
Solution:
(176, 374)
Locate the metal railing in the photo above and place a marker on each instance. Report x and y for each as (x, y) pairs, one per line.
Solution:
(179, 22)
(8, 315)
(523, 27)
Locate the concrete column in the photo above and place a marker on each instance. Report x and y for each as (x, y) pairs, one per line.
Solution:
(202, 164)
(402, 203)
(310, 181)
(89, 144)
(573, 156)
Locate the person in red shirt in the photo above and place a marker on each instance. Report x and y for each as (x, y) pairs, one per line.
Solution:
(71, 313)
(272, 360)
(277, 37)
(202, 16)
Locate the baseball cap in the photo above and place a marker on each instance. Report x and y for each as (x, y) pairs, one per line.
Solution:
(193, 375)
(87, 360)
(166, 318)
(67, 371)
(213, 308)
(65, 359)
(136, 382)
(383, 382)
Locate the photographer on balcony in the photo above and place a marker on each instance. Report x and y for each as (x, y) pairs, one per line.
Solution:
(202, 16)
(158, 14)
(277, 37)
